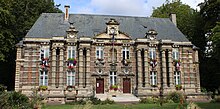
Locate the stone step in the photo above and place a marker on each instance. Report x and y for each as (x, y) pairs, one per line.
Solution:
(118, 97)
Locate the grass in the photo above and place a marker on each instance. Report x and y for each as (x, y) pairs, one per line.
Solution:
(117, 106)
(132, 106)
(209, 105)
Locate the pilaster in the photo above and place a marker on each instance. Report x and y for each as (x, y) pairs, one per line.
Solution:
(139, 68)
(147, 83)
(80, 67)
(53, 69)
(88, 77)
(171, 77)
(61, 70)
(164, 75)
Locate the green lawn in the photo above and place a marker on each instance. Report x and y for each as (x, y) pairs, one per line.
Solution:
(133, 106)
(117, 106)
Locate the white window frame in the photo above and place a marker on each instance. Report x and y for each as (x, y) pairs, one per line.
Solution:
(44, 80)
(71, 52)
(112, 78)
(152, 53)
(70, 79)
(153, 78)
(45, 51)
(175, 53)
(99, 52)
(177, 79)
(125, 53)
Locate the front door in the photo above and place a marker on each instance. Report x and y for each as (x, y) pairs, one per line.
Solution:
(126, 85)
(99, 85)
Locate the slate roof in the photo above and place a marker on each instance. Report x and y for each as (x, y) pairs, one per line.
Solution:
(53, 24)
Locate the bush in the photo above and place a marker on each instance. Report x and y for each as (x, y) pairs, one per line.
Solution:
(14, 100)
(95, 100)
(216, 100)
(149, 100)
(108, 101)
(176, 97)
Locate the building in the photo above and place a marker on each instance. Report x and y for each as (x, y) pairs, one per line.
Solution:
(79, 55)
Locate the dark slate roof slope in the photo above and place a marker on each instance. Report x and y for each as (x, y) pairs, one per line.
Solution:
(53, 24)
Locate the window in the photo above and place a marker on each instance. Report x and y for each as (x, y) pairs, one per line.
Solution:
(44, 53)
(71, 52)
(125, 53)
(99, 52)
(43, 78)
(152, 53)
(175, 53)
(153, 78)
(177, 77)
(70, 78)
(113, 78)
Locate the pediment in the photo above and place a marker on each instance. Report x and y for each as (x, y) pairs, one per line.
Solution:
(107, 36)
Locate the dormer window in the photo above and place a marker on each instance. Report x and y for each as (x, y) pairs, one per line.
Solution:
(151, 34)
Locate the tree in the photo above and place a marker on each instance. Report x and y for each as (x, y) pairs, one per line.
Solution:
(210, 12)
(16, 18)
(188, 20)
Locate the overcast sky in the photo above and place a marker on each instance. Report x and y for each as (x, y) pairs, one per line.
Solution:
(117, 7)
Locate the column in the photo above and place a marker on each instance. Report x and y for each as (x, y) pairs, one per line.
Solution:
(164, 69)
(170, 68)
(80, 67)
(88, 77)
(139, 68)
(53, 68)
(61, 70)
(147, 83)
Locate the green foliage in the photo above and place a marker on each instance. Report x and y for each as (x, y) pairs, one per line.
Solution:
(43, 88)
(14, 100)
(178, 87)
(149, 100)
(36, 99)
(16, 18)
(176, 97)
(95, 100)
(108, 101)
(189, 20)
(192, 105)
(216, 100)
(210, 10)
(216, 41)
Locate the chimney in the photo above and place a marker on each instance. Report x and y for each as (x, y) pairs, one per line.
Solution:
(173, 18)
(66, 17)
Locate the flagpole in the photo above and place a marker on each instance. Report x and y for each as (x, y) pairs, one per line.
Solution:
(113, 55)
(113, 39)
